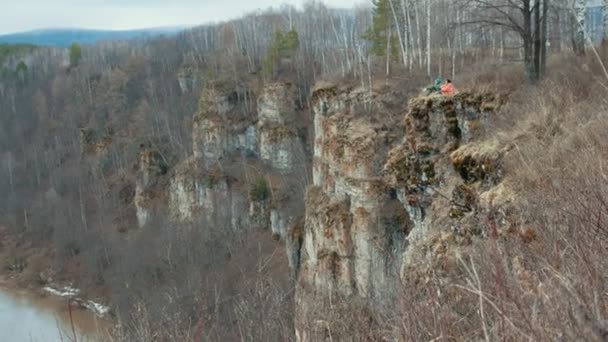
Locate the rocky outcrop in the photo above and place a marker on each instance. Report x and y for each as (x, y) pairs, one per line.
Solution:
(351, 240)
(246, 161)
(188, 79)
(479, 161)
(355, 229)
(224, 128)
(434, 127)
(224, 124)
(381, 188)
(152, 166)
(279, 144)
(208, 196)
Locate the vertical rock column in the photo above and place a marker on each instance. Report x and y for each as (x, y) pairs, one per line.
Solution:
(276, 124)
(151, 167)
(223, 128)
(282, 150)
(355, 228)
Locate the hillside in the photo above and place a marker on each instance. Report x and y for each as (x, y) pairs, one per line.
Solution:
(65, 37)
(287, 176)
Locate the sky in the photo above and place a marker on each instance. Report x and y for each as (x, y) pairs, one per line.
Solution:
(24, 15)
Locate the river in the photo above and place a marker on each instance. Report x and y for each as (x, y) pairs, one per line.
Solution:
(31, 318)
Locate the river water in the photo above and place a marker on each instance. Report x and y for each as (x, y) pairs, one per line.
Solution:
(45, 319)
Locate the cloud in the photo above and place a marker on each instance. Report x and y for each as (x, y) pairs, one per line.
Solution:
(127, 14)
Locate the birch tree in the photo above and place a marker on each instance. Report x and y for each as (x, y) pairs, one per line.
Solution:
(579, 8)
(428, 38)
(605, 20)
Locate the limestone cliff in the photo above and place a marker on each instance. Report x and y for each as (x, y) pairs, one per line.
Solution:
(354, 231)
(224, 124)
(247, 170)
(393, 185)
(382, 190)
(279, 144)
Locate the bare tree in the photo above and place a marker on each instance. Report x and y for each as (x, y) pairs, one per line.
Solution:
(527, 18)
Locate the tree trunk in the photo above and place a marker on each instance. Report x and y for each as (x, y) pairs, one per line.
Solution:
(407, 33)
(556, 28)
(605, 21)
(388, 51)
(528, 41)
(579, 16)
(428, 38)
(502, 45)
(537, 39)
(418, 36)
(544, 25)
(399, 36)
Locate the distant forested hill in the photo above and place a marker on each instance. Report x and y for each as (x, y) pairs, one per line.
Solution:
(65, 37)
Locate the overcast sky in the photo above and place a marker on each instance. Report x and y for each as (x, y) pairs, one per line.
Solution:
(22, 15)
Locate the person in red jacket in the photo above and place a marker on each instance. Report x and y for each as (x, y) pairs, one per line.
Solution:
(448, 88)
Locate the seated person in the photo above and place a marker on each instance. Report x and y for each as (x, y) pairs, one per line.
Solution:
(435, 88)
(448, 88)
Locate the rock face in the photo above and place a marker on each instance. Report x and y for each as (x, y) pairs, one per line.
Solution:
(421, 169)
(392, 185)
(243, 169)
(152, 167)
(225, 123)
(351, 240)
(224, 137)
(187, 79)
(279, 144)
(377, 189)
(355, 229)
(208, 196)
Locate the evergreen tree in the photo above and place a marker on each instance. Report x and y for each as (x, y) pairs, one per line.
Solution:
(21, 71)
(291, 43)
(284, 45)
(75, 54)
(382, 30)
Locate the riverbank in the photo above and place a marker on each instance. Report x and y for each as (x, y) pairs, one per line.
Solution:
(51, 315)
(27, 276)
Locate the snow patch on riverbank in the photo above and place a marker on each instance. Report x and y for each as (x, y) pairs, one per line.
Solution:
(99, 309)
(63, 292)
(68, 291)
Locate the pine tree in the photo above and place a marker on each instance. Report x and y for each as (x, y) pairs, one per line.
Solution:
(381, 30)
(284, 45)
(291, 43)
(21, 71)
(75, 54)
